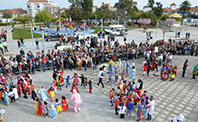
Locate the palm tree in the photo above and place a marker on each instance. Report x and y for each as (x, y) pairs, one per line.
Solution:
(184, 7)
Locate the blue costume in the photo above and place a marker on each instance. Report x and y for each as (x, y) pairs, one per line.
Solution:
(42, 95)
(127, 68)
(139, 111)
(6, 98)
(110, 67)
(53, 112)
(111, 73)
(67, 81)
(132, 74)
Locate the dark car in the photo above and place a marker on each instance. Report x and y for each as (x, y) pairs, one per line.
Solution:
(52, 37)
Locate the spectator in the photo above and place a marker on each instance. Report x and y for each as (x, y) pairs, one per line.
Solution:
(37, 44)
(22, 53)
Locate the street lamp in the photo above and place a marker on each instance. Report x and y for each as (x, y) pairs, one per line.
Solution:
(43, 41)
(101, 24)
(118, 19)
(84, 27)
(125, 18)
(31, 33)
(95, 19)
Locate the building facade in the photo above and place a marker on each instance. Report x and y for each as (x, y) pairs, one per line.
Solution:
(34, 6)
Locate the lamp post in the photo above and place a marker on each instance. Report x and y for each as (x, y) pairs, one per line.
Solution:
(32, 34)
(101, 24)
(43, 41)
(95, 19)
(156, 28)
(125, 18)
(84, 27)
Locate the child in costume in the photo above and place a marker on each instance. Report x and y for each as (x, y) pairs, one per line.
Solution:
(74, 87)
(54, 86)
(11, 94)
(90, 86)
(15, 93)
(117, 102)
(165, 77)
(82, 80)
(67, 81)
(144, 69)
(34, 92)
(42, 94)
(45, 109)
(36, 105)
(59, 81)
(51, 93)
(64, 103)
(53, 112)
(111, 97)
(144, 97)
(76, 80)
(39, 108)
(6, 96)
(111, 73)
(128, 98)
(122, 110)
(19, 90)
(58, 106)
(139, 112)
(137, 96)
(124, 86)
(130, 107)
(145, 110)
(18, 80)
(133, 87)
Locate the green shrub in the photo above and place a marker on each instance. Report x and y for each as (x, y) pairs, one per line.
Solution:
(130, 23)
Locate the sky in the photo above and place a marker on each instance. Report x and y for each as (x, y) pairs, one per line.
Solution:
(9, 4)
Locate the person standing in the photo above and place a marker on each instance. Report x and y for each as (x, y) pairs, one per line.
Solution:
(5, 46)
(22, 52)
(150, 108)
(37, 44)
(21, 39)
(100, 75)
(184, 68)
(1, 47)
(19, 43)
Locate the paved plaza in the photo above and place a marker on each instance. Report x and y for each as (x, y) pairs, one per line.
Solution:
(172, 98)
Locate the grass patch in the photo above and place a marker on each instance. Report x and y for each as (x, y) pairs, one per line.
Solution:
(26, 34)
(97, 29)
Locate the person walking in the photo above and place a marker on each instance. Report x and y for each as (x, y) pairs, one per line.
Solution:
(22, 42)
(37, 44)
(100, 75)
(184, 68)
(1, 47)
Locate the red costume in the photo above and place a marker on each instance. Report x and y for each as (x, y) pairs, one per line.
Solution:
(117, 103)
(19, 91)
(61, 78)
(122, 99)
(153, 65)
(128, 97)
(137, 96)
(64, 105)
(124, 87)
(76, 80)
(40, 110)
(72, 88)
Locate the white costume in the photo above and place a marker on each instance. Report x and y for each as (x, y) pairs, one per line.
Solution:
(152, 107)
(119, 65)
(180, 118)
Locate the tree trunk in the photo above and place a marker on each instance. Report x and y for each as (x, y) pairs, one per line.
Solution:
(164, 35)
(24, 25)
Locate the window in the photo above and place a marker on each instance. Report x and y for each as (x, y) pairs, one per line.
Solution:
(28, 6)
(38, 6)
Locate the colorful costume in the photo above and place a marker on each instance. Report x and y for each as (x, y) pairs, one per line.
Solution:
(53, 112)
(58, 107)
(76, 100)
(132, 74)
(42, 94)
(64, 105)
(127, 67)
(6, 97)
(76, 80)
(139, 112)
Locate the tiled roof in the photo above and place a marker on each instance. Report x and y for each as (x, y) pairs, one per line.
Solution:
(173, 4)
(170, 10)
(16, 11)
(105, 4)
(134, 3)
(95, 6)
(195, 9)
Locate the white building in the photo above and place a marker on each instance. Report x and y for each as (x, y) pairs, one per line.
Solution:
(34, 6)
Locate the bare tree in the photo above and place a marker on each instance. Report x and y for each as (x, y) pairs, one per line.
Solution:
(53, 10)
(165, 27)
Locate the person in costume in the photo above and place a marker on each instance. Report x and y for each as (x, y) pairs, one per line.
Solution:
(127, 66)
(24, 88)
(117, 102)
(160, 60)
(16, 96)
(145, 111)
(111, 64)
(132, 70)
(123, 74)
(53, 112)
(150, 108)
(172, 75)
(18, 80)
(119, 65)
(51, 93)
(122, 108)
(76, 100)
(67, 81)
(34, 92)
(45, 109)
(36, 105)
(143, 63)
(137, 96)
(90, 86)
(184, 67)
(64, 103)
(42, 93)
(59, 81)
(19, 90)
(111, 97)
(58, 106)
(128, 98)
(6, 96)
(54, 86)
(195, 70)
(124, 86)
(39, 108)
(76, 80)
(144, 96)
(74, 87)
(139, 112)
(130, 107)
(111, 73)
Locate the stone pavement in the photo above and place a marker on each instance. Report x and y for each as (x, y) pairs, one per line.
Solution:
(172, 98)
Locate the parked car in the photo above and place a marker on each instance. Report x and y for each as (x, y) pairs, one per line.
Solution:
(119, 32)
(81, 36)
(52, 37)
(113, 27)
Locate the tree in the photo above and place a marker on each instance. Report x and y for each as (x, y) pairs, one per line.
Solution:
(184, 7)
(164, 27)
(157, 10)
(145, 21)
(43, 16)
(164, 17)
(87, 5)
(53, 10)
(7, 15)
(151, 3)
(23, 19)
(170, 21)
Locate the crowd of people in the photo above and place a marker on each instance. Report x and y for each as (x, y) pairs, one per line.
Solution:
(97, 53)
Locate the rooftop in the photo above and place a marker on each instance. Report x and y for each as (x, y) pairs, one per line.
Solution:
(15, 11)
(173, 4)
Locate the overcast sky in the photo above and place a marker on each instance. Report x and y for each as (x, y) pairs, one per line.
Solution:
(8, 4)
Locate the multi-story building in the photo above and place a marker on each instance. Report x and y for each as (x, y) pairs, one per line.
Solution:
(34, 6)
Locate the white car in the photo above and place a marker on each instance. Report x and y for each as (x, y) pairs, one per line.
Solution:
(81, 36)
(117, 32)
